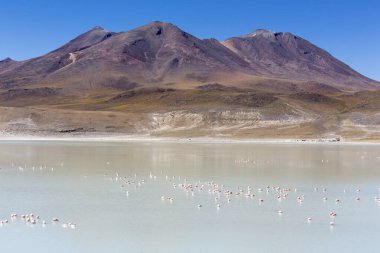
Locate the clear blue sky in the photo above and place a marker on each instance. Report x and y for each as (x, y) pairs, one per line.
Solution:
(348, 29)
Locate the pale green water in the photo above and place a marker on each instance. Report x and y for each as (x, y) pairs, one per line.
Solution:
(108, 220)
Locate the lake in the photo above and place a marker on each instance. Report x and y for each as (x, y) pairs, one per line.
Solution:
(189, 197)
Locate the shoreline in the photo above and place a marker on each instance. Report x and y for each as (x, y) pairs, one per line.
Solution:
(119, 138)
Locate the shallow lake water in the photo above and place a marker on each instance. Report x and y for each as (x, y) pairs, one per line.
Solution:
(189, 197)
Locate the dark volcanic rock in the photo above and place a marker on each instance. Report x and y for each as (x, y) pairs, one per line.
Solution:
(141, 92)
(37, 92)
(121, 83)
(312, 97)
(250, 99)
(212, 87)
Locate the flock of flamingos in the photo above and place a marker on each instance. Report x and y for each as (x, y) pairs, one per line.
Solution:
(219, 195)
(222, 196)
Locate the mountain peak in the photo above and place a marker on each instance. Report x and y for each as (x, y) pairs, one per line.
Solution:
(267, 34)
(84, 40)
(7, 60)
(158, 24)
(260, 32)
(161, 28)
(97, 28)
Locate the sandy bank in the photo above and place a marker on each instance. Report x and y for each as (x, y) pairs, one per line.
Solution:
(99, 137)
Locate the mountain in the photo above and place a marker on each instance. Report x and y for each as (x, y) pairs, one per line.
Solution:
(35, 70)
(160, 53)
(160, 80)
(285, 55)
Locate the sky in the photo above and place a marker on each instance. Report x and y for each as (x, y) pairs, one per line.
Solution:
(348, 29)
